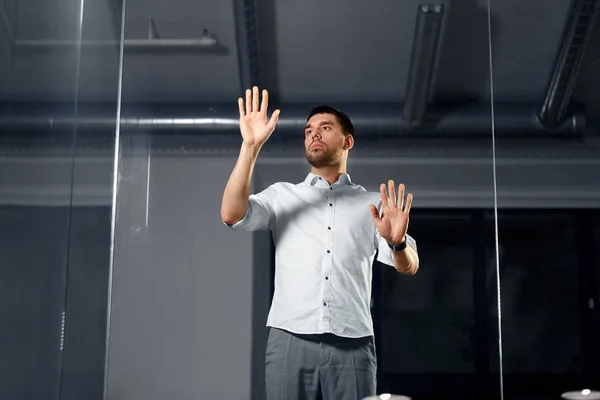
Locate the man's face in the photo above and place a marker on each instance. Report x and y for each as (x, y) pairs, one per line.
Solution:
(324, 141)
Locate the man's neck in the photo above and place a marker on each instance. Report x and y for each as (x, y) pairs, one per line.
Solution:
(330, 174)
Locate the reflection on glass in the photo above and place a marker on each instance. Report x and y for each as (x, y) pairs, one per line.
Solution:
(548, 198)
(190, 298)
(36, 198)
(35, 201)
(96, 121)
(54, 196)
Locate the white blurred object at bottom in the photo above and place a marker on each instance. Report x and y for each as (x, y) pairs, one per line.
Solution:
(387, 396)
(584, 394)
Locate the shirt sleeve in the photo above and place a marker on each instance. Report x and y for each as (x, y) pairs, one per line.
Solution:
(260, 214)
(386, 255)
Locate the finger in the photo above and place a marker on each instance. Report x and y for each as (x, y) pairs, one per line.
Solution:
(374, 212)
(241, 107)
(392, 193)
(264, 105)
(255, 98)
(274, 119)
(384, 199)
(409, 199)
(401, 196)
(248, 101)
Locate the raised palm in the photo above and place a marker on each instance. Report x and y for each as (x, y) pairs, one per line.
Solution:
(254, 125)
(393, 222)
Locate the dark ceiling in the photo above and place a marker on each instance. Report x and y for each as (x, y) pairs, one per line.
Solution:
(310, 51)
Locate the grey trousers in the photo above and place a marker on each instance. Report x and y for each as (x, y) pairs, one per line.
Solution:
(314, 367)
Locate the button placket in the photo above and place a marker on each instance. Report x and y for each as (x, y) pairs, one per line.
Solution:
(326, 266)
(329, 224)
(329, 248)
(329, 205)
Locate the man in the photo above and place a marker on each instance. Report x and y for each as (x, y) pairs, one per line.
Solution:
(320, 341)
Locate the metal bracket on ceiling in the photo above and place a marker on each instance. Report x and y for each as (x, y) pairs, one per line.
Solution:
(207, 39)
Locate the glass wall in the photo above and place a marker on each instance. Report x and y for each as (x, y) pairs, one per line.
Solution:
(55, 198)
(548, 199)
(182, 302)
(189, 297)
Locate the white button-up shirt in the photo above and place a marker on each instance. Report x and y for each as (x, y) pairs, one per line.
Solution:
(325, 243)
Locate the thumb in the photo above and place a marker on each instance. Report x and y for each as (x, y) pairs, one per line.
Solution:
(274, 119)
(374, 212)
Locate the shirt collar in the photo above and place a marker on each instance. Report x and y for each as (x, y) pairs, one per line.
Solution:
(313, 180)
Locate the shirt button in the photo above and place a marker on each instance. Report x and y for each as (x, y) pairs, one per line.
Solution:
(324, 304)
(329, 227)
(326, 278)
(328, 251)
(331, 204)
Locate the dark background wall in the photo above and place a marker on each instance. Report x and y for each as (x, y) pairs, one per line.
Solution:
(54, 268)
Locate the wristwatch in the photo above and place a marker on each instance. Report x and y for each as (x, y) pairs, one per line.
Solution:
(398, 247)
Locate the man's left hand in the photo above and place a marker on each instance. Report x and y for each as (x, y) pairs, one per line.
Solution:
(393, 222)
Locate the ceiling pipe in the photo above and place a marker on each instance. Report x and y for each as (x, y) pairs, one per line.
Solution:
(566, 68)
(206, 43)
(371, 120)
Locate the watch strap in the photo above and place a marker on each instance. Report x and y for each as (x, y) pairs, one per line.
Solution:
(398, 247)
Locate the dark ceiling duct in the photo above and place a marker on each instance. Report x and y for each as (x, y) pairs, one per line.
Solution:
(246, 30)
(371, 120)
(422, 62)
(564, 76)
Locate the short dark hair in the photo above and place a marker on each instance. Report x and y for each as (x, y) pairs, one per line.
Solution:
(342, 118)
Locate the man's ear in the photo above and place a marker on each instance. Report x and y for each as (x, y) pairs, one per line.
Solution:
(348, 142)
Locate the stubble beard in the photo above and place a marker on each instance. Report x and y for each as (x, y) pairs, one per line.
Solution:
(320, 158)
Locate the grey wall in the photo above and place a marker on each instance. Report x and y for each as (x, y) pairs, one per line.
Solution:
(181, 316)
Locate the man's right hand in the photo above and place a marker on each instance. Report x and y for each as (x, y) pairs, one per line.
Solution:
(254, 126)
